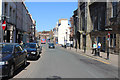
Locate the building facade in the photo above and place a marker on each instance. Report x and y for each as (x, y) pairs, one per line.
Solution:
(63, 32)
(96, 20)
(55, 33)
(18, 22)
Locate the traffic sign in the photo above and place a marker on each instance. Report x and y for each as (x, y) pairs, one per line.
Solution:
(108, 34)
(4, 25)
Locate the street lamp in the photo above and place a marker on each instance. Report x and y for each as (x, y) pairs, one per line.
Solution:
(70, 39)
(66, 39)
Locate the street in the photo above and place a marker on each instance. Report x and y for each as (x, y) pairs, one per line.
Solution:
(62, 63)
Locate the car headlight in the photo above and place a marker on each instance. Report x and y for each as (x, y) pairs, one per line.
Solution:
(33, 52)
(3, 62)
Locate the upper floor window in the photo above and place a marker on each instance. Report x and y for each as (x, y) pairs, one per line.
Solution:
(114, 9)
(6, 8)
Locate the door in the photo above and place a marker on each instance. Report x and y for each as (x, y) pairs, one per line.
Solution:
(17, 56)
(21, 53)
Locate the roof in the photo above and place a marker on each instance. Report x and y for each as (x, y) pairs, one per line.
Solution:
(10, 43)
(61, 20)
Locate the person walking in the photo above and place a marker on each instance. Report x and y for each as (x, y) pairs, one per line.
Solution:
(94, 49)
(98, 47)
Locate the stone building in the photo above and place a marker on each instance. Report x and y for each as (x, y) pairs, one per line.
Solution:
(75, 27)
(8, 15)
(18, 22)
(96, 20)
(44, 35)
(71, 29)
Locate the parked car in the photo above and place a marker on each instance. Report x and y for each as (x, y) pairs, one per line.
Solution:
(12, 57)
(68, 45)
(33, 50)
(51, 45)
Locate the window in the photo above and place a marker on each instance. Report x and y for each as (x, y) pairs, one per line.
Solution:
(112, 40)
(14, 16)
(114, 9)
(6, 6)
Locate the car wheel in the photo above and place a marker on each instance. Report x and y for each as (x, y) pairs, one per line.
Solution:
(11, 71)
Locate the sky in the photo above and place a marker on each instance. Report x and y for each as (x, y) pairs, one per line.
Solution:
(47, 14)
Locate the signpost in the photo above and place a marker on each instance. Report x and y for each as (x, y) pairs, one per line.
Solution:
(108, 45)
(4, 25)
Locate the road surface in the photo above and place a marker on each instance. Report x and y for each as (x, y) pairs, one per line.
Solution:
(62, 63)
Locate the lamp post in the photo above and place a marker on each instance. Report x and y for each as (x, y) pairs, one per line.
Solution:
(70, 41)
(108, 45)
(66, 40)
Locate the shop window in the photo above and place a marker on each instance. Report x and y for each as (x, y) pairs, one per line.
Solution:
(112, 40)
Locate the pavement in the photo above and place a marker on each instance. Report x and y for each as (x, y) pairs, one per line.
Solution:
(113, 59)
(60, 63)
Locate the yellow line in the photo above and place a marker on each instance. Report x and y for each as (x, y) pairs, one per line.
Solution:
(95, 59)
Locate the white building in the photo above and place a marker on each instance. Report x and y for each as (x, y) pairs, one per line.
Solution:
(63, 32)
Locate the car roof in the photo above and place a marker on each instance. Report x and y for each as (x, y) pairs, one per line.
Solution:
(10, 43)
(30, 43)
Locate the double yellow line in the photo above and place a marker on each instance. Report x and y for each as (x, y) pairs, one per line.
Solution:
(95, 59)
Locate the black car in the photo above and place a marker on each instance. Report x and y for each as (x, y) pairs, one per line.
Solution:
(33, 50)
(12, 57)
(51, 45)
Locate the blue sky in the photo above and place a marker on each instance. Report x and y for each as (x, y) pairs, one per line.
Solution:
(47, 14)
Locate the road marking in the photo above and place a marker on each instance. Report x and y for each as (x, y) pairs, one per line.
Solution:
(95, 59)
(90, 57)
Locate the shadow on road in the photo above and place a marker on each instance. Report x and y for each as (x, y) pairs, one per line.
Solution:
(34, 59)
(18, 71)
(54, 78)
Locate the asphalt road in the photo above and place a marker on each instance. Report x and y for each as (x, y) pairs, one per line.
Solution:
(62, 63)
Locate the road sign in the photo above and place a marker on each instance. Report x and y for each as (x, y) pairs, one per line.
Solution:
(4, 25)
(108, 34)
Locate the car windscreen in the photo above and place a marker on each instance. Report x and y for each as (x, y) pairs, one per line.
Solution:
(30, 45)
(6, 48)
(51, 44)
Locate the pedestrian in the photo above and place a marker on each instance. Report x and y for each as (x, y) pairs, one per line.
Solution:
(98, 47)
(94, 49)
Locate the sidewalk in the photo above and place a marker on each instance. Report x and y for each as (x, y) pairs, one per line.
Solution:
(113, 59)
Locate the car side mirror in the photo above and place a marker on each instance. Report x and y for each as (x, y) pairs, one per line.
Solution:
(25, 50)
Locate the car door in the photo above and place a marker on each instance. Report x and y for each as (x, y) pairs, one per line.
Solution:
(17, 56)
(21, 53)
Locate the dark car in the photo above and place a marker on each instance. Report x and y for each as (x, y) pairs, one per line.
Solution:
(33, 50)
(51, 45)
(12, 57)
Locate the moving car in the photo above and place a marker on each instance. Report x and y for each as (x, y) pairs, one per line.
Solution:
(12, 57)
(33, 50)
(51, 45)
